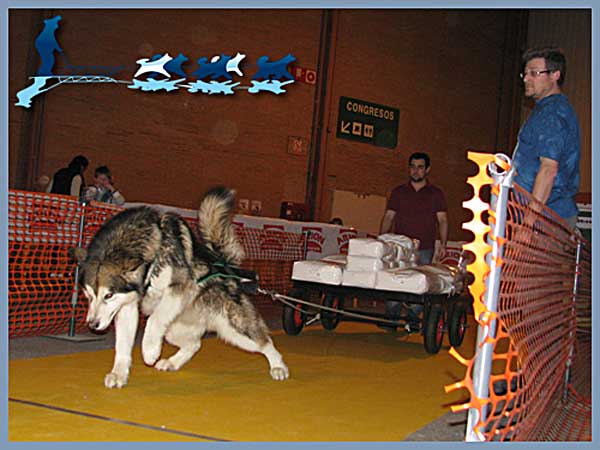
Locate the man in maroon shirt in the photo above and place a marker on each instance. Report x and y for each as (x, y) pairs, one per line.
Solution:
(418, 210)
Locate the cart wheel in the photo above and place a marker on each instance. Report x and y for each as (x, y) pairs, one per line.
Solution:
(294, 317)
(434, 329)
(458, 324)
(329, 319)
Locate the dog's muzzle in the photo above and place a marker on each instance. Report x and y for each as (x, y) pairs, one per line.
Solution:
(94, 324)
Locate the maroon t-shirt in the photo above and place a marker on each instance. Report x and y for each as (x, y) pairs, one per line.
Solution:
(416, 212)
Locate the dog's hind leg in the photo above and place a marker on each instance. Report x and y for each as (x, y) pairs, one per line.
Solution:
(189, 340)
(176, 298)
(126, 323)
(261, 344)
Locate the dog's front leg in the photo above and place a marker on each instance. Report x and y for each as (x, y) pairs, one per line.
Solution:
(126, 323)
(171, 305)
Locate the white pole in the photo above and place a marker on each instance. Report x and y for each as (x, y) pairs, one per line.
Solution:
(483, 360)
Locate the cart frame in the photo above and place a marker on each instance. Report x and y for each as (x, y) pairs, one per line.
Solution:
(441, 312)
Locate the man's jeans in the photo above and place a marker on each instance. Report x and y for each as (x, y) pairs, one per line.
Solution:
(393, 308)
(572, 221)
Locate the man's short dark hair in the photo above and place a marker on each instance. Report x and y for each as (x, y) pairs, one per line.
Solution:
(420, 155)
(554, 58)
(103, 170)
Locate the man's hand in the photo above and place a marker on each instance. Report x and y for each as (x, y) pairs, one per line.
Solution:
(536, 205)
(108, 185)
(440, 253)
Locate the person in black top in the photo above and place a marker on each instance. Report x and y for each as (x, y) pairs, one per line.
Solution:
(69, 180)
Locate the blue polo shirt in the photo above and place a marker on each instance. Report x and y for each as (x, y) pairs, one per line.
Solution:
(551, 131)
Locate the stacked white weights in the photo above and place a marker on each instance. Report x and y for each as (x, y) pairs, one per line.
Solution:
(327, 272)
(387, 263)
(430, 279)
(366, 257)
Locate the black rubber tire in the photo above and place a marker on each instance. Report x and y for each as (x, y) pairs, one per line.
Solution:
(293, 319)
(329, 319)
(457, 326)
(433, 334)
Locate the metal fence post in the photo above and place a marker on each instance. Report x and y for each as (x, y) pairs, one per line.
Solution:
(574, 309)
(483, 360)
(305, 247)
(70, 335)
(75, 295)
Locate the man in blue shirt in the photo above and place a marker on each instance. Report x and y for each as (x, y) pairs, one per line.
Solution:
(548, 149)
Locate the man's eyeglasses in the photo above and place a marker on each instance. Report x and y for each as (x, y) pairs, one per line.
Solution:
(533, 73)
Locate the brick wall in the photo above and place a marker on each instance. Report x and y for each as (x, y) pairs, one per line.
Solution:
(445, 70)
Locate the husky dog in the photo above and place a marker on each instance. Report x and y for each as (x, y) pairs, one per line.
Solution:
(143, 258)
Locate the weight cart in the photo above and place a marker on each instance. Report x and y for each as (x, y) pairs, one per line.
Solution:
(309, 302)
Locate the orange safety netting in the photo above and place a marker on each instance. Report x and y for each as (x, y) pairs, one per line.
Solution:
(41, 229)
(539, 385)
(41, 277)
(271, 254)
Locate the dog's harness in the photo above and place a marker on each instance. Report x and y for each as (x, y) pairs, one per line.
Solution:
(247, 280)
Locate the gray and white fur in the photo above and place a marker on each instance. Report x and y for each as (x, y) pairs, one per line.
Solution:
(144, 258)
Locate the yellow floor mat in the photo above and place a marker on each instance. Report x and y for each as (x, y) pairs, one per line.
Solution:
(357, 383)
(35, 423)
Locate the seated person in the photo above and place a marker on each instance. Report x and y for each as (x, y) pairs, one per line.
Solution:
(69, 180)
(103, 189)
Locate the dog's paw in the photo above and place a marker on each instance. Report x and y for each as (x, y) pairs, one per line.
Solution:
(150, 353)
(280, 373)
(114, 380)
(164, 365)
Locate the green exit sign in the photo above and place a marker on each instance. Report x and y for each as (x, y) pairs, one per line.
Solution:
(367, 122)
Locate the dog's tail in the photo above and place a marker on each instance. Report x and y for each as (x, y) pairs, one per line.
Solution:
(214, 222)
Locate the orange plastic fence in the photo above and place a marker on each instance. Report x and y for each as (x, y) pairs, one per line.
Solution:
(540, 383)
(42, 228)
(271, 253)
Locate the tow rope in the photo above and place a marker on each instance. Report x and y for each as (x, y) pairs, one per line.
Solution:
(248, 283)
(293, 303)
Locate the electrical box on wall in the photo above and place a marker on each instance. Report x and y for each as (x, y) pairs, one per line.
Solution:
(255, 207)
(243, 205)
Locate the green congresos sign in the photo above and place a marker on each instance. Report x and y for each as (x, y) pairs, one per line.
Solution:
(368, 122)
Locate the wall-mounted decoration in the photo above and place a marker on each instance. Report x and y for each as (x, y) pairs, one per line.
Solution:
(210, 77)
(304, 75)
(296, 145)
